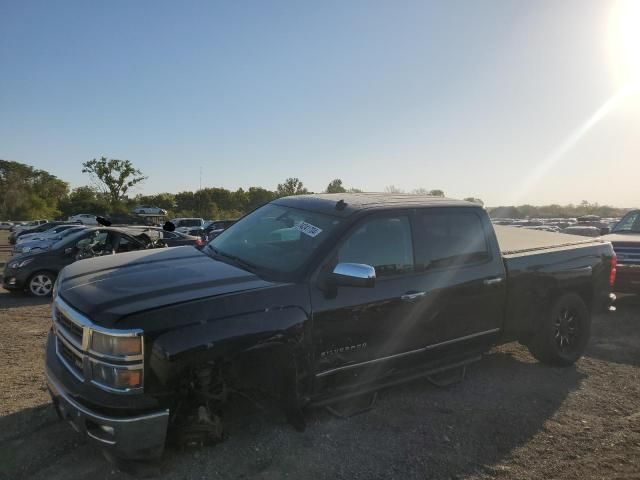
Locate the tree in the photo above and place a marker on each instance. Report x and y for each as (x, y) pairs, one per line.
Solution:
(335, 186)
(113, 177)
(420, 191)
(393, 189)
(474, 200)
(27, 193)
(436, 193)
(291, 186)
(84, 200)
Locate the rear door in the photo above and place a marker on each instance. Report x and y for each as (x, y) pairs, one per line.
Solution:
(461, 279)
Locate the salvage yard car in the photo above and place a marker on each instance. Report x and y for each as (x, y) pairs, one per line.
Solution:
(36, 270)
(310, 299)
(625, 238)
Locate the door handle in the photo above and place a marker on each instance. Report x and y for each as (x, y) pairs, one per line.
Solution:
(411, 296)
(492, 281)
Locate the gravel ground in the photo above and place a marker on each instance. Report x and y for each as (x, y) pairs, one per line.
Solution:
(510, 418)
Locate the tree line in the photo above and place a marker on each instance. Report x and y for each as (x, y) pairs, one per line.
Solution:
(27, 193)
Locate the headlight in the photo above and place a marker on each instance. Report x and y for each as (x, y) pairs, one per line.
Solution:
(54, 292)
(117, 377)
(26, 249)
(116, 346)
(20, 263)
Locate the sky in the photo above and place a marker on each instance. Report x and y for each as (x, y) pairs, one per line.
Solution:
(508, 101)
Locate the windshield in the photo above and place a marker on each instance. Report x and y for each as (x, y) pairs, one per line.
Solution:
(68, 238)
(629, 223)
(190, 222)
(274, 238)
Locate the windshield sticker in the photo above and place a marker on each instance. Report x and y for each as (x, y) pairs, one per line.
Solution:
(308, 229)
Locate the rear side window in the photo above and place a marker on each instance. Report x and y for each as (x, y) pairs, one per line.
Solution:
(384, 243)
(446, 239)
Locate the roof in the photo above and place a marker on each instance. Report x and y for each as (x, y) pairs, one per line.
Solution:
(328, 202)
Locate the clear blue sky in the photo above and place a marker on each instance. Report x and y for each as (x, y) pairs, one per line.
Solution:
(472, 97)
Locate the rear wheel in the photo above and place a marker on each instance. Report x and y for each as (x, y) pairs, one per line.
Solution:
(564, 332)
(41, 284)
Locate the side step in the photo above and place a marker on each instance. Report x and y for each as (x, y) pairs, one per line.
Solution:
(374, 387)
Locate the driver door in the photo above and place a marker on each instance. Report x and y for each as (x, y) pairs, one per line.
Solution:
(357, 330)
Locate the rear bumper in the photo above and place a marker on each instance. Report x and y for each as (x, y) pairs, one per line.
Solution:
(627, 279)
(135, 437)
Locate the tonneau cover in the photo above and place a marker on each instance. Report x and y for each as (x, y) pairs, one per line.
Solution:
(513, 240)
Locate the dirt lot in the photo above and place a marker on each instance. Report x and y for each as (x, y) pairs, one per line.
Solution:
(510, 418)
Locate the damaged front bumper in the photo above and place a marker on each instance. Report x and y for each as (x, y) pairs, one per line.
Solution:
(135, 438)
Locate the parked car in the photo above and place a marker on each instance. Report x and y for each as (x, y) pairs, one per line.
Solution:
(51, 232)
(43, 242)
(184, 225)
(84, 218)
(312, 299)
(17, 227)
(36, 271)
(212, 229)
(5, 225)
(625, 237)
(43, 227)
(149, 210)
(165, 238)
(585, 231)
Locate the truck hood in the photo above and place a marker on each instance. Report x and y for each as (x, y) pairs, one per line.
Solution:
(630, 237)
(111, 287)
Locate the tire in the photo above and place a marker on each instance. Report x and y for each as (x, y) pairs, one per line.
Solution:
(40, 284)
(564, 332)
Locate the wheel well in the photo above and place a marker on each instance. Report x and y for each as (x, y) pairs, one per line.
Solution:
(585, 293)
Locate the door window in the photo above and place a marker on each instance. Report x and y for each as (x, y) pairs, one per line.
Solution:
(127, 244)
(447, 239)
(383, 242)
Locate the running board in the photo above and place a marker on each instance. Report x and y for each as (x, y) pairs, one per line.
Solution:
(374, 387)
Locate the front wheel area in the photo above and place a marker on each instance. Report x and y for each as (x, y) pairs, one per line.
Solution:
(41, 284)
(564, 332)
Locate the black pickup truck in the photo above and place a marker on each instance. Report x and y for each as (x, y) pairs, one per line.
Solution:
(310, 300)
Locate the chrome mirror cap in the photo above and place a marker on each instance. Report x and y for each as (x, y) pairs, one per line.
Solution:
(354, 275)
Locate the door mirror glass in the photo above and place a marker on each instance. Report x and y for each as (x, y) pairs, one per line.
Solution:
(353, 275)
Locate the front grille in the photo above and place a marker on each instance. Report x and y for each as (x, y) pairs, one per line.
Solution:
(72, 359)
(74, 330)
(627, 253)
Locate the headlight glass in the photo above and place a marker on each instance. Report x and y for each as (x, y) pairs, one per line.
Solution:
(20, 263)
(115, 346)
(117, 377)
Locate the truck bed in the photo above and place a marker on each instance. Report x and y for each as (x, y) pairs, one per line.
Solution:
(514, 240)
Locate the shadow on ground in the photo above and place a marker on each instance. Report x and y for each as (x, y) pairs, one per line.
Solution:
(615, 337)
(415, 431)
(20, 299)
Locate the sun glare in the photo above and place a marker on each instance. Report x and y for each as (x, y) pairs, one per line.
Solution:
(625, 41)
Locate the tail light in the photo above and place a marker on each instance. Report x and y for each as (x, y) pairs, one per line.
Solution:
(613, 271)
(199, 242)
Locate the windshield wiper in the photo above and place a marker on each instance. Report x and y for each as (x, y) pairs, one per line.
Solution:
(237, 260)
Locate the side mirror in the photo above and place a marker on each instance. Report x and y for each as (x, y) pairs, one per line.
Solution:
(68, 250)
(353, 275)
(605, 230)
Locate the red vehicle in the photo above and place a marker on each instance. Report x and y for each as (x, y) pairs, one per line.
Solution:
(625, 238)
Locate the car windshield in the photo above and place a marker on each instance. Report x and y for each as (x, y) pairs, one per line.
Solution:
(629, 223)
(190, 222)
(68, 238)
(274, 238)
